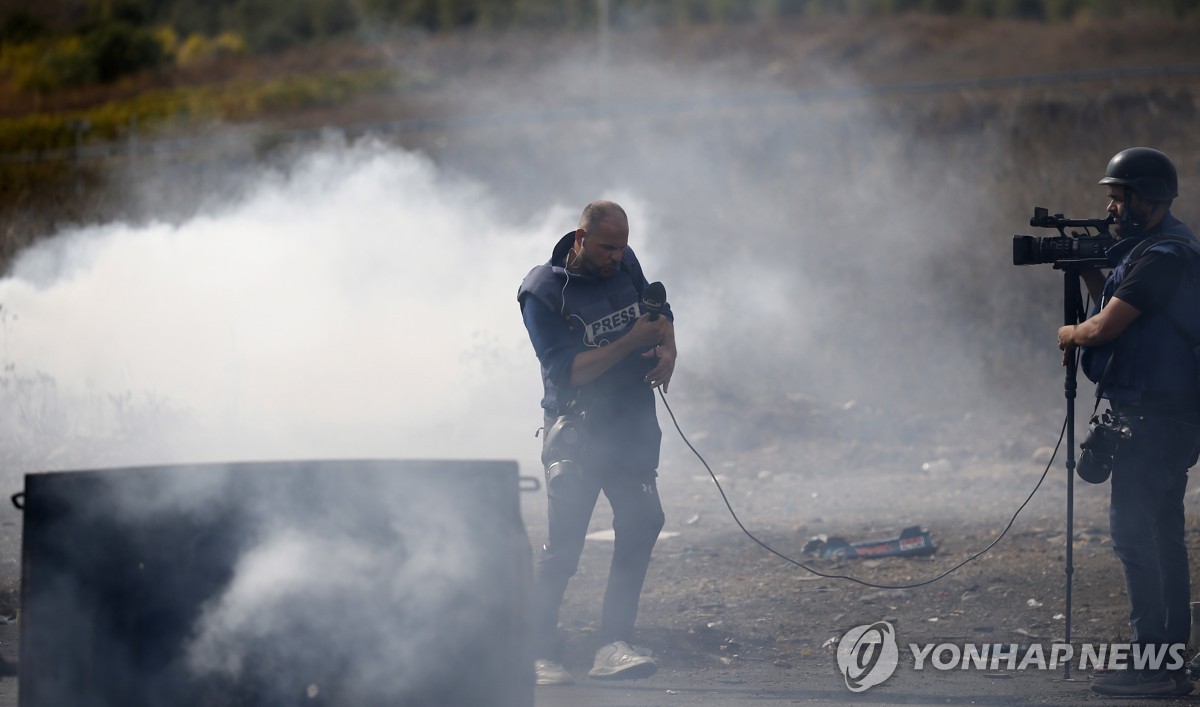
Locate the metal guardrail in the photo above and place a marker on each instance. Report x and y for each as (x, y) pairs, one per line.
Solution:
(140, 148)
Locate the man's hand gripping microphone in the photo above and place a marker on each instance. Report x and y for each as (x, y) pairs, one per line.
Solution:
(654, 301)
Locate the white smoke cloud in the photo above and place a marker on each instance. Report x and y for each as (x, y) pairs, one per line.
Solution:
(362, 304)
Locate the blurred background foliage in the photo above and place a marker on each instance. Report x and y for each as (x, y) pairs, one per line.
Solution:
(79, 73)
(232, 101)
(56, 43)
(50, 49)
(61, 60)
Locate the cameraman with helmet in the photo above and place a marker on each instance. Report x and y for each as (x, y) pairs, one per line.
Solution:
(1139, 345)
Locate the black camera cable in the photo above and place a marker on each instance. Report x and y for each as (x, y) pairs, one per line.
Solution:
(848, 578)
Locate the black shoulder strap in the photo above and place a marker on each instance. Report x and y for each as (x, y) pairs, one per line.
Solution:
(1190, 243)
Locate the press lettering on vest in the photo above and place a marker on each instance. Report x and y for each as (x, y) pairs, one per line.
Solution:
(615, 321)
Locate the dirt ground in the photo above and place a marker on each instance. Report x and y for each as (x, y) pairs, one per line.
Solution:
(732, 624)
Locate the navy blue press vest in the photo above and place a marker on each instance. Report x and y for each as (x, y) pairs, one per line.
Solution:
(622, 422)
(1151, 361)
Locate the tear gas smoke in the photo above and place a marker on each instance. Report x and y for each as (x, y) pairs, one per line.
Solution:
(360, 305)
(359, 301)
(355, 582)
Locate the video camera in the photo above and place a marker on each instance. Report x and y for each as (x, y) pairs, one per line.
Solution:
(1075, 250)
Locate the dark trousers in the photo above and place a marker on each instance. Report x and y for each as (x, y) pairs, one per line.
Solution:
(1146, 520)
(571, 495)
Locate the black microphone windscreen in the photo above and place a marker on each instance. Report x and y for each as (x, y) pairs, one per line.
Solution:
(655, 292)
(654, 299)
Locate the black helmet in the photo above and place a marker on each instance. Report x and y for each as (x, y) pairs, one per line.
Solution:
(1144, 170)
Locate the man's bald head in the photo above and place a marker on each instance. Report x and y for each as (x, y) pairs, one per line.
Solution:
(599, 211)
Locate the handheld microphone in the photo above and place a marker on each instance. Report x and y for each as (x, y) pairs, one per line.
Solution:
(654, 299)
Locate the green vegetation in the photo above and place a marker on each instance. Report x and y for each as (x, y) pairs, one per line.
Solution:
(64, 44)
(115, 38)
(225, 102)
(99, 55)
(62, 53)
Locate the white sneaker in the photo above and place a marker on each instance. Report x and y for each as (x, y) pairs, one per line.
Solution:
(549, 672)
(619, 660)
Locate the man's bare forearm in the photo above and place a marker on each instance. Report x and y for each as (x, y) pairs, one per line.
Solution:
(593, 363)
